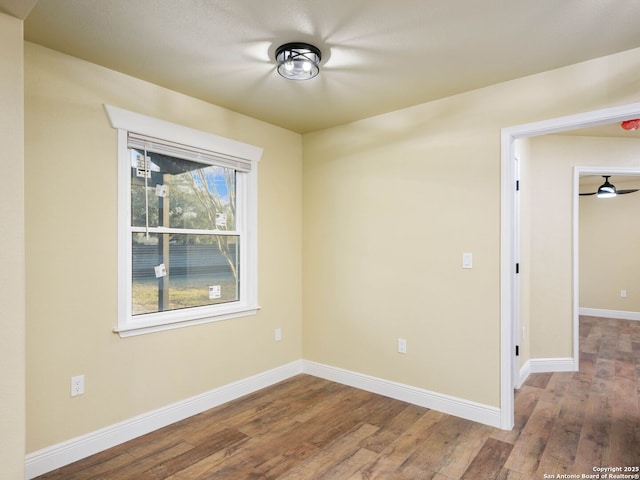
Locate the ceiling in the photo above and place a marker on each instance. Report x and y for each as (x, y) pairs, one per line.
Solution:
(377, 55)
(17, 8)
(590, 183)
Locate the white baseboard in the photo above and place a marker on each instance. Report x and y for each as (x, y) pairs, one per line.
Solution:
(525, 371)
(476, 412)
(617, 314)
(546, 365)
(56, 456)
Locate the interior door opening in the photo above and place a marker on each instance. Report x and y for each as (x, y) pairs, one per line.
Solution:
(510, 295)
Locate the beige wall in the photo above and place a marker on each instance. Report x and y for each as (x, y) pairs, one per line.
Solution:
(608, 264)
(546, 239)
(12, 257)
(390, 205)
(550, 263)
(552, 160)
(72, 265)
(609, 253)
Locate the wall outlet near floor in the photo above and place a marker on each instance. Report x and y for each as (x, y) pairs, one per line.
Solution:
(77, 385)
(402, 345)
(278, 335)
(623, 293)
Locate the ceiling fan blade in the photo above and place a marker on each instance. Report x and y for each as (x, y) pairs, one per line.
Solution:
(619, 192)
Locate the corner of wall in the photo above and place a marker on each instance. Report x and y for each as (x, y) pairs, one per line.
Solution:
(12, 256)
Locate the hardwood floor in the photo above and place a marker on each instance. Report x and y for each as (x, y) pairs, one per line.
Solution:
(309, 428)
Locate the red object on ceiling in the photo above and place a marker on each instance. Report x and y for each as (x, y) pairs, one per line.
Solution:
(631, 124)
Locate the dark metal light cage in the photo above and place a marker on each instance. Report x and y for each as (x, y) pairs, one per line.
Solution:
(298, 61)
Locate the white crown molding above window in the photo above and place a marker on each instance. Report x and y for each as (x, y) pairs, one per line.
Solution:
(122, 119)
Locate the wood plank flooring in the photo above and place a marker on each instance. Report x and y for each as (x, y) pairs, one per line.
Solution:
(309, 428)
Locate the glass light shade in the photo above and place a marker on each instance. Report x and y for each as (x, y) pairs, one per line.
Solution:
(606, 190)
(604, 193)
(298, 61)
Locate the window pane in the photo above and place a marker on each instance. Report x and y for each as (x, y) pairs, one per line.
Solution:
(174, 271)
(181, 193)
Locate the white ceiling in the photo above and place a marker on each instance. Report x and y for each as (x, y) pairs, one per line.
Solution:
(378, 55)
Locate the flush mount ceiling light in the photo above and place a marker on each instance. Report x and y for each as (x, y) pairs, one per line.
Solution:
(298, 61)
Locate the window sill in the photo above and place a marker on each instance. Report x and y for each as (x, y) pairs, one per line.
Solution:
(135, 328)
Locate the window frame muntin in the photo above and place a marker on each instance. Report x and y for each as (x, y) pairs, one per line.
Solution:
(246, 222)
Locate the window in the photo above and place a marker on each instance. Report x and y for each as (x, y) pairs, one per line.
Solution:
(187, 225)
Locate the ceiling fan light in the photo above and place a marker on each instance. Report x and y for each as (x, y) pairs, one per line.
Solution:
(606, 194)
(606, 190)
(298, 61)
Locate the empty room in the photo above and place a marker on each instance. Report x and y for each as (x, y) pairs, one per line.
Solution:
(351, 239)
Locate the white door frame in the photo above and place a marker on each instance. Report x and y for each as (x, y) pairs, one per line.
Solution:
(508, 236)
(517, 239)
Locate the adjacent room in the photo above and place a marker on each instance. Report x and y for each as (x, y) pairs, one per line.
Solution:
(343, 239)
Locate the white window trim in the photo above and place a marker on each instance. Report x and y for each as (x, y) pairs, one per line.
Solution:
(128, 325)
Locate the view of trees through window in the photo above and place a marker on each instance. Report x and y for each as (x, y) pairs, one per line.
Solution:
(185, 248)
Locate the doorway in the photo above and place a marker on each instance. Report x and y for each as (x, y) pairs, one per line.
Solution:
(509, 309)
(607, 241)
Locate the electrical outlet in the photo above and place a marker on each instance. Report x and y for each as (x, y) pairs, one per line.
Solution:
(278, 334)
(623, 293)
(402, 345)
(77, 385)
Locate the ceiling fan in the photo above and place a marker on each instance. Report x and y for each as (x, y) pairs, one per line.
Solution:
(607, 190)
